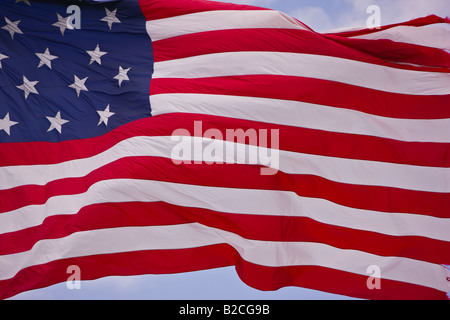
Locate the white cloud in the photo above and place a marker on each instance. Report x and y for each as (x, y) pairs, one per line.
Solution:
(397, 11)
(259, 3)
(314, 17)
(353, 13)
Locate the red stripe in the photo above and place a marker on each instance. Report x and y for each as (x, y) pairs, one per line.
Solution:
(374, 198)
(420, 22)
(332, 281)
(296, 41)
(398, 51)
(291, 139)
(160, 9)
(309, 90)
(264, 228)
(186, 260)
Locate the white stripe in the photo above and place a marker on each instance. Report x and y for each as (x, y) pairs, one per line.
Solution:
(436, 36)
(304, 115)
(219, 20)
(265, 253)
(359, 172)
(229, 200)
(344, 29)
(351, 72)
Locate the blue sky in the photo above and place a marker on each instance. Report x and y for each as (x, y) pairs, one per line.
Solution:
(223, 283)
(324, 15)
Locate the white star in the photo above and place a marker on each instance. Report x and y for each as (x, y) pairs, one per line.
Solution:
(110, 18)
(56, 122)
(46, 58)
(61, 23)
(26, 1)
(96, 55)
(12, 27)
(28, 87)
(104, 116)
(6, 124)
(2, 56)
(123, 75)
(79, 85)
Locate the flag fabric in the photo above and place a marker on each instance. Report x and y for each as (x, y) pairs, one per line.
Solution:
(100, 103)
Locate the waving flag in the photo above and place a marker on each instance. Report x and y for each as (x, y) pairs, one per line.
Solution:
(98, 101)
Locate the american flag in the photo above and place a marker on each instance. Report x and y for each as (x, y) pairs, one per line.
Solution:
(93, 94)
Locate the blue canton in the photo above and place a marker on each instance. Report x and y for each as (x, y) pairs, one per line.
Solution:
(70, 69)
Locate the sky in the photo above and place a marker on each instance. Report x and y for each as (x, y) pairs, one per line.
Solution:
(223, 283)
